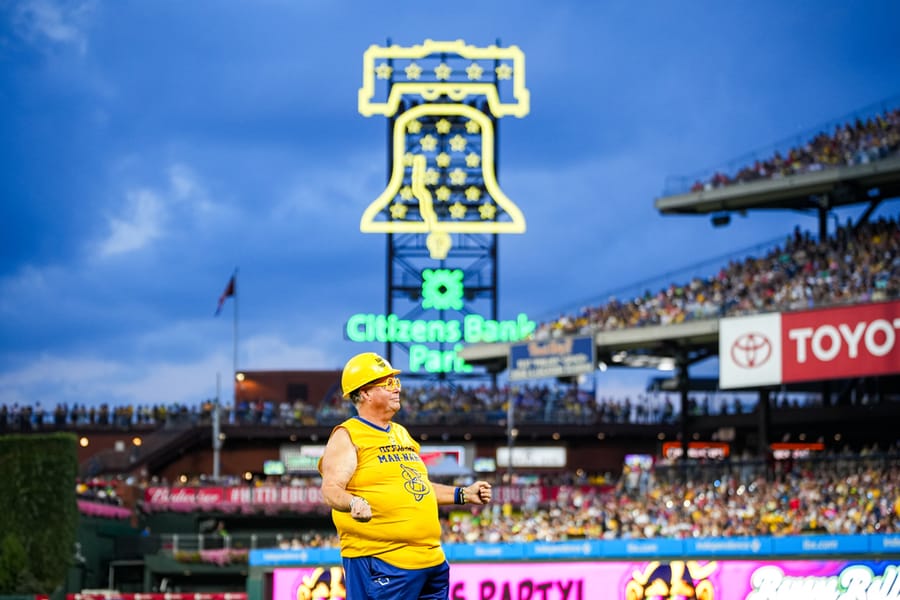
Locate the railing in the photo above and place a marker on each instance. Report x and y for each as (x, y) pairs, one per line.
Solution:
(750, 469)
(186, 542)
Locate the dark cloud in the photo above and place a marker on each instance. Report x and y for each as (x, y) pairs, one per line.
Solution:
(154, 147)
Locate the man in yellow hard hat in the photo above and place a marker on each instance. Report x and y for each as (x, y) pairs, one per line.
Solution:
(384, 507)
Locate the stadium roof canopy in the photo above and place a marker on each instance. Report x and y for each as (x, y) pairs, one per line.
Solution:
(819, 190)
(655, 346)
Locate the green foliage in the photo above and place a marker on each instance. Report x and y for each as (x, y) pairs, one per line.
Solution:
(15, 577)
(38, 511)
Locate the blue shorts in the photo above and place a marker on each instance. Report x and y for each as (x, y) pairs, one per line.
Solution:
(369, 578)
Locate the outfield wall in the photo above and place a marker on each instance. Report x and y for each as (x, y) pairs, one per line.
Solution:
(815, 567)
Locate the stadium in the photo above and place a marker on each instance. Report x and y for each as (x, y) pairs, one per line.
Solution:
(777, 478)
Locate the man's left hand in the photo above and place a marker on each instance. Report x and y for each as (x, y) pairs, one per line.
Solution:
(478, 493)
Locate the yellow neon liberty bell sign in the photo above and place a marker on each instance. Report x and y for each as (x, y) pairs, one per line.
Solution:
(443, 98)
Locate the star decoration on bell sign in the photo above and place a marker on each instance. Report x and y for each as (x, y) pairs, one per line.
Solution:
(457, 177)
(442, 160)
(472, 127)
(474, 71)
(413, 127)
(442, 193)
(473, 193)
(504, 71)
(432, 177)
(457, 210)
(406, 192)
(472, 160)
(408, 159)
(384, 71)
(442, 71)
(458, 143)
(398, 211)
(443, 126)
(413, 71)
(487, 211)
(428, 143)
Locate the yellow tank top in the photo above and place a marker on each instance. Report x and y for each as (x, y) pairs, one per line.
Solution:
(404, 530)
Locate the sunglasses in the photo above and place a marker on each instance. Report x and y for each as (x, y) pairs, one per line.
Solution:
(391, 384)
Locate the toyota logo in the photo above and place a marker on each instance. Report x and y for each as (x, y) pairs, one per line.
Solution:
(751, 350)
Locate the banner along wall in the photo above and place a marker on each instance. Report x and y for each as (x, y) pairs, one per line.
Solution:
(832, 343)
(589, 580)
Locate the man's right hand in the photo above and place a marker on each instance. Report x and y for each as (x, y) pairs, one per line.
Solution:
(360, 509)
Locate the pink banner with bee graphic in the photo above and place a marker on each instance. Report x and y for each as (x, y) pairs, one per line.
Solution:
(651, 580)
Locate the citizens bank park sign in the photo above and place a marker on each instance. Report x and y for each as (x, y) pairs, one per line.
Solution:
(833, 343)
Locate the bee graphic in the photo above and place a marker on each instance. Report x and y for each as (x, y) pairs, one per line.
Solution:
(415, 483)
(677, 580)
(323, 585)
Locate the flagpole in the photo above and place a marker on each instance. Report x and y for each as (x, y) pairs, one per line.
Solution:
(235, 322)
(217, 431)
(230, 292)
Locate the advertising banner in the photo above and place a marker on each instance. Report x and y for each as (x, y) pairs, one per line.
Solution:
(562, 357)
(115, 595)
(711, 580)
(832, 343)
(309, 498)
(784, 547)
(750, 351)
(232, 499)
(841, 342)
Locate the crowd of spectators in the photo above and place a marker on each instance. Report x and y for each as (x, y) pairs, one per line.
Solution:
(25, 417)
(849, 496)
(98, 497)
(853, 143)
(856, 265)
(840, 493)
(102, 491)
(422, 405)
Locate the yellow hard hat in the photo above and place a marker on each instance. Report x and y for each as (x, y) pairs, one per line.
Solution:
(362, 369)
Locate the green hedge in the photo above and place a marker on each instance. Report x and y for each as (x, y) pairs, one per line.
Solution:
(38, 512)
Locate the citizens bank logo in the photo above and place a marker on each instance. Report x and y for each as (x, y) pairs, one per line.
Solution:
(442, 289)
(751, 350)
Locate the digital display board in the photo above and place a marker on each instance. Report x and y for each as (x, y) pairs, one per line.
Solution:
(589, 580)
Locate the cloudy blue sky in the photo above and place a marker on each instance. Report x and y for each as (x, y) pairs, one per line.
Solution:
(149, 148)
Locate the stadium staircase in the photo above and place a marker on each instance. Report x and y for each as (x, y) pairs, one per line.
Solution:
(161, 446)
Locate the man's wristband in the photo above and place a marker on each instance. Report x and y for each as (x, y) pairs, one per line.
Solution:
(459, 496)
